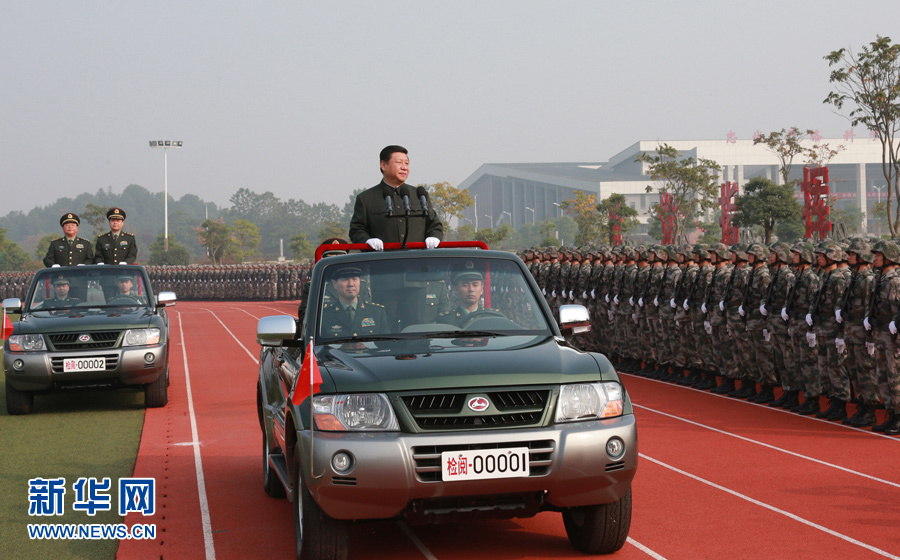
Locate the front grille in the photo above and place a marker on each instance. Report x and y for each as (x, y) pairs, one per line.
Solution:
(612, 467)
(99, 340)
(427, 458)
(447, 411)
(112, 361)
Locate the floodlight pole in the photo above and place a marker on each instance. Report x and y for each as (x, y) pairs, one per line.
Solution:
(165, 145)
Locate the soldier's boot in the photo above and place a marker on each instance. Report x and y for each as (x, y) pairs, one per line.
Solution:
(779, 402)
(893, 428)
(765, 396)
(881, 427)
(725, 387)
(708, 382)
(834, 408)
(660, 372)
(793, 401)
(747, 390)
(864, 417)
(674, 373)
(809, 406)
(692, 377)
(647, 369)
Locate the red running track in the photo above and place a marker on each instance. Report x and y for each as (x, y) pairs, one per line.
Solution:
(718, 478)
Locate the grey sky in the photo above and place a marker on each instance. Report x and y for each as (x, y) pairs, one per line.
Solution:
(297, 97)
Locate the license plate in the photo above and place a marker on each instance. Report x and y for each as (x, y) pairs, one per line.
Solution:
(84, 364)
(476, 464)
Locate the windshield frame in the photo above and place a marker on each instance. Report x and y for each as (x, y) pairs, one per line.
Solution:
(90, 286)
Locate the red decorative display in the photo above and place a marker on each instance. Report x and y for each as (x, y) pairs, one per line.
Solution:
(667, 217)
(616, 225)
(728, 205)
(815, 201)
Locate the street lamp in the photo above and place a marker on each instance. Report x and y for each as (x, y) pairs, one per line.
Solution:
(165, 145)
(532, 214)
(877, 188)
(510, 217)
(492, 219)
(558, 209)
(476, 212)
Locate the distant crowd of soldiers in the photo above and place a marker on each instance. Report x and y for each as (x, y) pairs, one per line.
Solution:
(740, 320)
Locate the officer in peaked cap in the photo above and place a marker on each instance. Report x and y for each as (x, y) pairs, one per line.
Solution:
(347, 314)
(116, 246)
(69, 250)
(61, 294)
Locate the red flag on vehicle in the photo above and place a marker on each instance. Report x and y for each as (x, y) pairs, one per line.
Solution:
(7, 328)
(309, 370)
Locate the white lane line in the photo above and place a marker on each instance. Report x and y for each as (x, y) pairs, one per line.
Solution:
(787, 514)
(769, 446)
(247, 312)
(649, 552)
(252, 357)
(416, 541)
(198, 462)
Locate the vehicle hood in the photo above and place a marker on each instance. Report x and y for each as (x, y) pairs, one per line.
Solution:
(91, 319)
(503, 361)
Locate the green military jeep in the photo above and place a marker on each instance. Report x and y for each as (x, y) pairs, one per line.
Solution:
(446, 393)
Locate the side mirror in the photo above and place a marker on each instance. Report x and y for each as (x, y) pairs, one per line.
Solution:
(275, 329)
(574, 319)
(165, 299)
(12, 305)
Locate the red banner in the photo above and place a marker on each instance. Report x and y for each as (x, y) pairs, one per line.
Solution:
(728, 206)
(667, 217)
(814, 189)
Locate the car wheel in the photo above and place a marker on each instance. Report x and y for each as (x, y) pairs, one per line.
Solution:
(318, 537)
(271, 482)
(600, 529)
(156, 394)
(18, 402)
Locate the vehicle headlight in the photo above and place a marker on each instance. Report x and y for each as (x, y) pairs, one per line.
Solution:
(589, 401)
(141, 337)
(27, 343)
(359, 412)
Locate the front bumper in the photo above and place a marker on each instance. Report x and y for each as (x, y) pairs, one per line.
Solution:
(42, 371)
(394, 473)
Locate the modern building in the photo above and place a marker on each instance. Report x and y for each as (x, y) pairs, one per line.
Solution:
(531, 192)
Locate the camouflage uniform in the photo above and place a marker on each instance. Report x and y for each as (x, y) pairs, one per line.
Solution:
(886, 315)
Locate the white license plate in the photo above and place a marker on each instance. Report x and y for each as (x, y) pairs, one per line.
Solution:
(84, 364)
(479, 464)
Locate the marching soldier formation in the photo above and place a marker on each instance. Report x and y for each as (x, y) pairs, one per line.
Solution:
(816, 320)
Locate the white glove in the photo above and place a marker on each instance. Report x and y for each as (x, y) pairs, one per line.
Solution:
(544, 291)
(703, 307)
(811, 339)
(784, 314)
(766, 335)
(616, 299)
(672, 303)
(631, 301)
(839, 344)
(741, 311)
(634, 317)
(640, 302)
(606, 297)
(584, 295)
(375, 243)
(656, 301)
(432, 242)
(55, 266)
(809, 320)
(553, 293)
(763, 311)
(837, 316)
(571, 297)
(867, 324)
(100, 264)
(685, 305)
(870, 348)
(707, 327)
(722, 305)
(892, 326)
(123, 262)
(593, 294)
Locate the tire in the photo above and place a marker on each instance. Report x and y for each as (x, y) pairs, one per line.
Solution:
(317, 536)
(18, 402)
(156, 394)
(271, 483)
(600, 529)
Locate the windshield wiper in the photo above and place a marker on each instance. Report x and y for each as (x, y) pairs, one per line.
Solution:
(367, 338)
(461, 334)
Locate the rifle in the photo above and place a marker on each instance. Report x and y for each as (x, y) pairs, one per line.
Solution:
(814, 310)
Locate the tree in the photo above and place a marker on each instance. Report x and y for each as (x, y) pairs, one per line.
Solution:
(95, 215)
(548, 237)
(790, 230)
(787, 144)
(583, 209)
(765, 204)
(215, 236)
(626, 216)
(332, 228)
(301, 248)
(176, 255)
(449, 202)
(493, 236)
(846, 220)
(693, 183)
(869, 83)
(13, 257)
(246, 238)
(42, 245)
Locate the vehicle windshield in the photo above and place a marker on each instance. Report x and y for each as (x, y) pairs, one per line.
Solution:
(62, 290)
(427, 297)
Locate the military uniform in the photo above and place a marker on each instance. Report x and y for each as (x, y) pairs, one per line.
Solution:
(65, 252)
(368, 318)
(112, 248)
(370, 218)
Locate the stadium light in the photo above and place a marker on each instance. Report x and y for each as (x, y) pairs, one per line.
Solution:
(165, 145)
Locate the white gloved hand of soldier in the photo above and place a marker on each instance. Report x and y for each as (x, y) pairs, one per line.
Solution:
(432, 242)
(840, 345)
(867, 324)
(571, 297)
(672, 303)
(741, 311)
(616, 299)
(766, 335)
(784, 314)
(634, 317)
(584, 295)
(685, 305)
(656, 302)
(703, 307)
(870, 348)
(707, 327)
(811, 339)
(55, 266)
(809, 320)
(892, 326)
(837, 316)
(722, 305)
(606, 297)
(593, 294)
(631, 301)
(553, 293)
(640, 302)
(375, 243)
(763, 311)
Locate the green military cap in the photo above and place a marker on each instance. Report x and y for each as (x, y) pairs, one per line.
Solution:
(60, 280)
(116, 213)
(69, 217)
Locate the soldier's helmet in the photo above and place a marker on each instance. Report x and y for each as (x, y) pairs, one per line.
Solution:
(702, 252)
(660, 252)
(831, 250)
(889, 249)
(758, 250)
(740, 251)
(721, 250)
(672, 251)
(782, 252)
(641, 252)
(806, 251)
(686, 249)
(863, 250)
(627, 251)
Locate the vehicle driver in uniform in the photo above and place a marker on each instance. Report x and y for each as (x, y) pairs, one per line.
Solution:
(115, 246)
(69, 250)
(467, 287)
(348, 314)
(124, 285)
(61, 291)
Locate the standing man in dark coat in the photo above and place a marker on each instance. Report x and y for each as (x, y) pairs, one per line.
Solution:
(69, 250)
(371, 222)
(116, 246)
